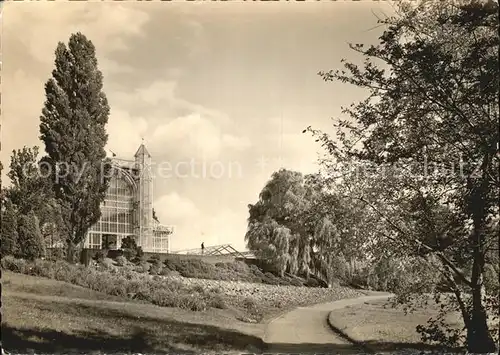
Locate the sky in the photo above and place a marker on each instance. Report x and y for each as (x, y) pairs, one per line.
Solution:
(219, 92)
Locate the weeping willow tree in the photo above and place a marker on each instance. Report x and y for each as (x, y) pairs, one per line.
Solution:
(299, 227)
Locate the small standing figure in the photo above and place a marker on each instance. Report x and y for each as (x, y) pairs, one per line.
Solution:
(202, 247)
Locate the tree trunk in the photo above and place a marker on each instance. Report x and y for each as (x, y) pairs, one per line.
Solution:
(479, 340)
(70, 252)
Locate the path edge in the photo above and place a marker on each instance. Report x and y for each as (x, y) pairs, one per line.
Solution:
(345, 336)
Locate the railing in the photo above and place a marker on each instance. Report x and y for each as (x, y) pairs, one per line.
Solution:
(224, 249)
(162, 228)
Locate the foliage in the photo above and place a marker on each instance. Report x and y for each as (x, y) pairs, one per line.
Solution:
(73, 129)
(121, 260)
(99, 256)
(13, 264)
(300, 227)
(31, 190)
(130, 248)
(10, 241)
(217, 301)
(234, 271)
(432, 104)
(121, 282)
(156, 266)
(30, 238)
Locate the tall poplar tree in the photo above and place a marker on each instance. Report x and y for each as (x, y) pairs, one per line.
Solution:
(73, 129)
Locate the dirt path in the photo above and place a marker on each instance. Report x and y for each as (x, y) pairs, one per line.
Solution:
(305, 329)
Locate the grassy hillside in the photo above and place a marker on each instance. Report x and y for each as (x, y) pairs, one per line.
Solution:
(36, 311)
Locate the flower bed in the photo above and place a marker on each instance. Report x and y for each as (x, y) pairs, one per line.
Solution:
(250, 300)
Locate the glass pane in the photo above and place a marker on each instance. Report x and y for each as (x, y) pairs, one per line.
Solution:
(112, 227)
(122, 217)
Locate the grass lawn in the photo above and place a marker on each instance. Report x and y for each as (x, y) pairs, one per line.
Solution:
(377, 322)
(43, 315)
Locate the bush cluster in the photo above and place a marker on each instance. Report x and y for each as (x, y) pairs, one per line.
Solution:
(123, 282)
(230, 271)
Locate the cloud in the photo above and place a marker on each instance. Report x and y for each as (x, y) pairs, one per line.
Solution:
(191, 227)
(161, 96)
(195, 136)
(200, 133)
(107, 25)
(191, 135)
(234, 142)
(226, 227)
(108, 66)
(125, 133)
(157, 92)
(30, 34)
(293, 149)
(198, 45)
(175, 208)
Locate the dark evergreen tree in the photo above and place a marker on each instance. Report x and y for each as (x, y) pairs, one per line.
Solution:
(30, 189)
(30, 238)
(73, 129)
(9, 242)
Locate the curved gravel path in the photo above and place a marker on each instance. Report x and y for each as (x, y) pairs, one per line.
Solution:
(306, 329)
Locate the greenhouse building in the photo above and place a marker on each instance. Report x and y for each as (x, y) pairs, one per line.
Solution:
(128, 208)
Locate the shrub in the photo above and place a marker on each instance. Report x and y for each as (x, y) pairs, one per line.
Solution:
(240, 267)
(163, 298)
(139, 253)
(198, 288)
(153, 258)
(143, 267)
(123, 282)
(296, 282)
(251, 307)
(192, 303)
(76, 274)
(107, 264)
(217, 301)
(167, 272)
(56, 254)
(129, 248)
(118, 287)
(121, 261)
(249, 303)
(172, 264)
(259, 275)
(270, 279)
(278, 303)
(62, 270)
(42, 268)
(312, 282)
(15, 265)
(99, 256)
(215, 290)
(269, 275)
(156, 266)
